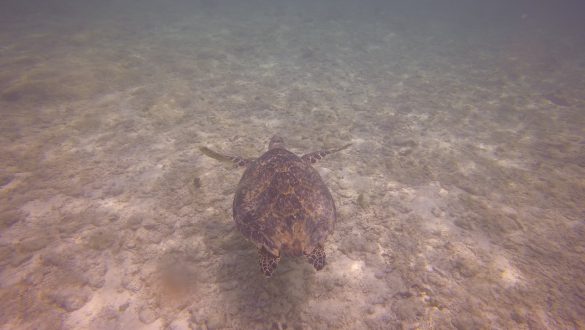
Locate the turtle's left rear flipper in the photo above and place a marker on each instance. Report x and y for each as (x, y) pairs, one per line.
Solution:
(236, 160)
(313, 157)
(268, 262)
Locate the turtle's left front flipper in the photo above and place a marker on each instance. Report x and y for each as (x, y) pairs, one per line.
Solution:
(236, 160)
(313, 157)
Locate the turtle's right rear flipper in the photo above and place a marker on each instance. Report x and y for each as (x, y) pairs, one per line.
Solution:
(236, 160)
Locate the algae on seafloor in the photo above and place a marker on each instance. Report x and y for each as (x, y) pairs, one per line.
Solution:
(363, 201)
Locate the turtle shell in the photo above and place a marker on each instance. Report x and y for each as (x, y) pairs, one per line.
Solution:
(283, 205)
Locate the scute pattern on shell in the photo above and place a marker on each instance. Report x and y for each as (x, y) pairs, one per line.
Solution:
(282, 203)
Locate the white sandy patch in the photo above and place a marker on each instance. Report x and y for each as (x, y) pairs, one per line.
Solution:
(509, 275)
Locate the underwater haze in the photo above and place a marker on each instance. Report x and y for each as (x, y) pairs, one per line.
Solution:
(460, 202)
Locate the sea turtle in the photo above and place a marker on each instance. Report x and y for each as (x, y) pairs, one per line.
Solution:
(282, 204)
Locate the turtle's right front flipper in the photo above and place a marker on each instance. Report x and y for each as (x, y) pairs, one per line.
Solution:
(313, 157)
(236, 160)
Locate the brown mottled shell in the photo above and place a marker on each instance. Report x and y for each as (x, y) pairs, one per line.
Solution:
(282, 203)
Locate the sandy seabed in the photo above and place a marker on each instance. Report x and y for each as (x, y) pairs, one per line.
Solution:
(461, 202)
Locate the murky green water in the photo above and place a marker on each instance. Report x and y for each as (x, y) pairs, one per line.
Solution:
(460, 202)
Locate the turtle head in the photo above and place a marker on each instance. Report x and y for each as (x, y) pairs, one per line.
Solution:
(276, 142)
